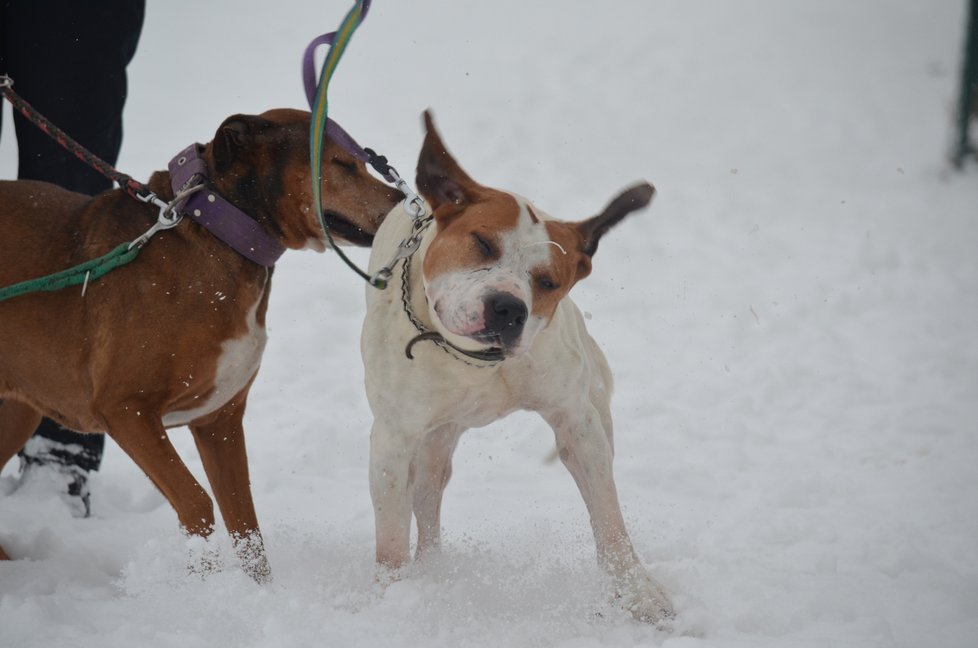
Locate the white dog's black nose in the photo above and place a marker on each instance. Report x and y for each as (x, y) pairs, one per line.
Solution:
(505, 316)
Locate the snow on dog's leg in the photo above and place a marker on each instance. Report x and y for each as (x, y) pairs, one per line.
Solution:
(584, 446)
(221, 444)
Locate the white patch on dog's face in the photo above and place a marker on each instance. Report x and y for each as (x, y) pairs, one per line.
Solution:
(458, 300)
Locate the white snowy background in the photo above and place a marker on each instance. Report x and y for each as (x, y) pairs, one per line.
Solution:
(792, 327)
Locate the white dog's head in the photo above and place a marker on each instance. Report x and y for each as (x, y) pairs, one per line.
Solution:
(498, 266)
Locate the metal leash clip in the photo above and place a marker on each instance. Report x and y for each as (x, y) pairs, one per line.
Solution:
(414, 204)
(169, 217)
(405, 249)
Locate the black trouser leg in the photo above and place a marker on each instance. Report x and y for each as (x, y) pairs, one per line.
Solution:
(68, 59)
(67, 447)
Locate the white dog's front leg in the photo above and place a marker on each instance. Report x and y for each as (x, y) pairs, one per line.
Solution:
(432, 470)
(584, 446)
(391, 453)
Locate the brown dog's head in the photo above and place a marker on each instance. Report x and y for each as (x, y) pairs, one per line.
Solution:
(261, 165)
(499, 266)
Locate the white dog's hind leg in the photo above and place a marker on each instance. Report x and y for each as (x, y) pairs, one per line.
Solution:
(584, 446)
(432, 470)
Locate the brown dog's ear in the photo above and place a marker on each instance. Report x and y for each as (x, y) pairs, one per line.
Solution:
(231, 138)
(228, 140)
(624, 204)
(440, 179)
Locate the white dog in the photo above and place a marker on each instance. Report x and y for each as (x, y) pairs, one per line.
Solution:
(476, 325)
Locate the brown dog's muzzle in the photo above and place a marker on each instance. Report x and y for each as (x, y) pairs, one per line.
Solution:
(341, 228)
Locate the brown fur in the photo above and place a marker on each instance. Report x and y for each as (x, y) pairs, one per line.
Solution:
(145, 339)
(488, 212)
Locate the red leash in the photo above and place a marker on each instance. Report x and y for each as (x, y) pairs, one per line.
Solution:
(134, 188)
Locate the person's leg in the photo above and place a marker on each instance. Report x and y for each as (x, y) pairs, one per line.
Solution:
(71, 454)
(67, 447)
(3, 55)
(68, 59)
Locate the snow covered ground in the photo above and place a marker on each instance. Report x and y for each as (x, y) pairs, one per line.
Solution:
(792, 326)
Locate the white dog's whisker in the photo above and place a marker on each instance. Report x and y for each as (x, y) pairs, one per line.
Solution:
(555, 243)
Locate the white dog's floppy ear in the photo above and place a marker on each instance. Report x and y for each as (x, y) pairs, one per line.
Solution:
(624, 204)
(440, 179)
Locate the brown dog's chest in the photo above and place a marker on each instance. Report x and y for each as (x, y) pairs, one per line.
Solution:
(179, 337)
(209, 334)
(220, 376)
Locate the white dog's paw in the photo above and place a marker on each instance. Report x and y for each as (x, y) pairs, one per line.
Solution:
(385, 576)
(647, 601)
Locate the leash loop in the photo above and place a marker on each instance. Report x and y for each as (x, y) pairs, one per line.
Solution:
(413, 204)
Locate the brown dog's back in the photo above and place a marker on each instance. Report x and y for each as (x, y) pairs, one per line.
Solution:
(65, 353)
(176, 336)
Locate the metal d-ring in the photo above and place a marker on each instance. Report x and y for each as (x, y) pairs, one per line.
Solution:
(169, 216)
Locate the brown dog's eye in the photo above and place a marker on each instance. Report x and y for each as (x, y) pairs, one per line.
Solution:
(346, 165)
(485, 248)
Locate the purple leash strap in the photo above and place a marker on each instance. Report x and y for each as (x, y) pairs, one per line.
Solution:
(334, 131)
(308, 63)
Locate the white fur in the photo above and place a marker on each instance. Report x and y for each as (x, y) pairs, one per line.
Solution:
(237, 364)
(456, 299)
(422, 406)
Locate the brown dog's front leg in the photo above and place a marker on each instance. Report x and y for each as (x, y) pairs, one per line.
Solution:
(144, 439)
(221, 445)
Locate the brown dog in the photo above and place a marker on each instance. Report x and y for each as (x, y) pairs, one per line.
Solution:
(175, 337)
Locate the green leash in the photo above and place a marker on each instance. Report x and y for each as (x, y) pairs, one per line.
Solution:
(320, 110)
(79, 274)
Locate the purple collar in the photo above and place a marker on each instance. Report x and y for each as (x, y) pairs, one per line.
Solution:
(225, 221)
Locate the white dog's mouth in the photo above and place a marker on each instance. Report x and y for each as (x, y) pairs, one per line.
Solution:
(497, 320)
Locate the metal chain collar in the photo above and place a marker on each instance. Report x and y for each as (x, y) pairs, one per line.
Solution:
(486, 358)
